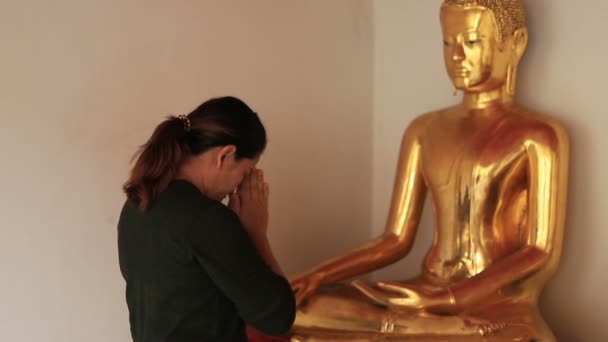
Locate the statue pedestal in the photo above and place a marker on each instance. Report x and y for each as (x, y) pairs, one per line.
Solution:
(506, 337)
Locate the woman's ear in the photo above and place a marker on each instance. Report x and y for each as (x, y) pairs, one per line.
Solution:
(225, 152)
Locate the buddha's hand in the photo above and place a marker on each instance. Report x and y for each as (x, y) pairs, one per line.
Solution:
(404, 296)
(305, 285)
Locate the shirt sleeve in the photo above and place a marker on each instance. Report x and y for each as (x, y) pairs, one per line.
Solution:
(221, 245)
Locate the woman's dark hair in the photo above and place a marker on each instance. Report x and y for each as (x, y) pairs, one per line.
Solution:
(218, 122)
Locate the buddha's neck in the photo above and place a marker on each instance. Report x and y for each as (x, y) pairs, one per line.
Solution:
(481, 100)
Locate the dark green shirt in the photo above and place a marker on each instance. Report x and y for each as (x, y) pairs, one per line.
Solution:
(194, 275)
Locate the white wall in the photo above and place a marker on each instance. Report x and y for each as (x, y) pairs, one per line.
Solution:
(82, 83)
(563, 73)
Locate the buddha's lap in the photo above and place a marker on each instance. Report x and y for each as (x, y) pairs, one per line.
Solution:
(342, 309)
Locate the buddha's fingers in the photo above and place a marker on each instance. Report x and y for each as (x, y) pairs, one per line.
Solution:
(380, 297)
(398, 289)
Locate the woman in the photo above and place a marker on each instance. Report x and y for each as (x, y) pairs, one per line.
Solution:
(195, 269)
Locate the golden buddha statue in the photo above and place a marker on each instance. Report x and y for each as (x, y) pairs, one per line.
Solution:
(497, 177)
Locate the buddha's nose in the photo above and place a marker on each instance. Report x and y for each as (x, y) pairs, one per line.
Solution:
(458, 53)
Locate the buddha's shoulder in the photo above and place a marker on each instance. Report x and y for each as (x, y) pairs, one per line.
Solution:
(421, 122)
(537, 126)
(440, 114)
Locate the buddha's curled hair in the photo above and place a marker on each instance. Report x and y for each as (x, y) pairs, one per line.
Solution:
(510, 15)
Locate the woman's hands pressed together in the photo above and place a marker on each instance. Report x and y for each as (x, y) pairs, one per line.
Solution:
(250, 203)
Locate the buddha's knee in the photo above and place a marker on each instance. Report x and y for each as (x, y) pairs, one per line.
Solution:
(530, 331)
(338, 308)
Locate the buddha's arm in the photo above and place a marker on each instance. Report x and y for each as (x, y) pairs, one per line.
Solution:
(406, 207)
(548, 154)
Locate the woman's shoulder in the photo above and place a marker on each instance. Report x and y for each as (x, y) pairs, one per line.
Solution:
(184, 199)
(179, 201)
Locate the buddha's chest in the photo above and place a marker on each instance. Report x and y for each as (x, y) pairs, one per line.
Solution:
(474, 173)
(467, 155)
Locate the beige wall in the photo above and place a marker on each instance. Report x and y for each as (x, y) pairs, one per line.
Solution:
(82, 83)
(564, 73)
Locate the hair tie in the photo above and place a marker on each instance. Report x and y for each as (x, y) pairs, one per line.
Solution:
(186, 121)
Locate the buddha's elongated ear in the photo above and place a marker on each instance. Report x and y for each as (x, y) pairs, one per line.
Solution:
(520, 42)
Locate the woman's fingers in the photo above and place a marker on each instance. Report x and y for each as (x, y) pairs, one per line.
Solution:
(266, 191)
(253, 184)
(260, 189)
(244, 186)
(257, 185)
(253, 202)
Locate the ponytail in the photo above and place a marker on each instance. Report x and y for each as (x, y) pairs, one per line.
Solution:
(157, 162)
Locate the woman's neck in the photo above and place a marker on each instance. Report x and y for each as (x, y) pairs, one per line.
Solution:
(189, 172)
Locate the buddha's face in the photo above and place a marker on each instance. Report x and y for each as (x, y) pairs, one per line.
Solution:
(474, 57)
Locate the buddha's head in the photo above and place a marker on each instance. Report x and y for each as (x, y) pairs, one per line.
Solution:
(484, 42)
